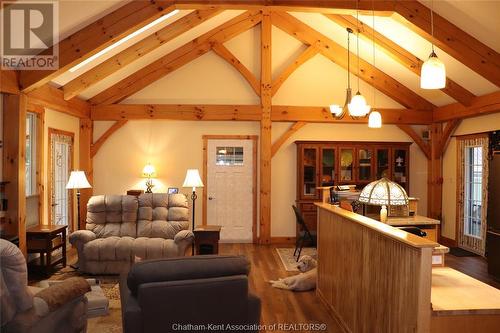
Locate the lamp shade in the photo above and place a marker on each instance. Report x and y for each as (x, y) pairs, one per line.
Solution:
(375, 120)
(433, 74)
(193, 179)
(77, 180)
(358, 106)
(336, 110)
(384, 192)
(149, 171)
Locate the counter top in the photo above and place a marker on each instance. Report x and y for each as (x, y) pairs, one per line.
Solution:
(412, 220)
(382, 228)
(455, 293)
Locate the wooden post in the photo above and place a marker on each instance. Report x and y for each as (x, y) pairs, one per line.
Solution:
(14, 160)
(265, 131)
(435, 173)
(86, 130)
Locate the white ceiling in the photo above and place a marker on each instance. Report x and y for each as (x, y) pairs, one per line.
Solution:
(479, 18)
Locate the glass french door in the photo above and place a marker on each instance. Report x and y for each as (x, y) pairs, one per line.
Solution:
(61, 164)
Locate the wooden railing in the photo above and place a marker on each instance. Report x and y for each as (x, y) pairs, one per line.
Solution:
(372, 277)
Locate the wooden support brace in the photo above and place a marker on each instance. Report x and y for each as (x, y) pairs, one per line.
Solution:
(98, 144)
(451, 126)
(424, 146)
(282, 139)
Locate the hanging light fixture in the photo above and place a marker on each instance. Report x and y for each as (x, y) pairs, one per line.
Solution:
(336, 110)
(433, 73)
(375, 118)
(358, 107)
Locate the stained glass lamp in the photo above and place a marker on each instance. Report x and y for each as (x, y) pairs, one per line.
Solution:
(383, 192)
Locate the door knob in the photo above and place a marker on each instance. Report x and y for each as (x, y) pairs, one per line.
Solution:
(211, 198)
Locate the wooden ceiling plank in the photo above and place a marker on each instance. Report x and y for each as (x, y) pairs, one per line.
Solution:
(176, 59)
(52, 98)
(227, 55)
(94, 148)
(308, 53)
(481, 105)
(338, 54)
(136, 51)
(9, 82)
(96, 37)
(401, 55)
(451, 39)
(424, 146)
(176, 112)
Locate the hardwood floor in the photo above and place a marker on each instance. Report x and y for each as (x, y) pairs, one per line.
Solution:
(476, 266)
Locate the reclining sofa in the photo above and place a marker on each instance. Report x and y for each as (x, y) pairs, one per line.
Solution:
(121, 228)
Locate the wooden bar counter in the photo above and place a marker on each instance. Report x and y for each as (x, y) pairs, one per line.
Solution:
(371, 276)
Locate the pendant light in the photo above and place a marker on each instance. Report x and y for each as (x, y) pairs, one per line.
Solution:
(336, 110)
(433, 73)
(358, 107)
(375, 118)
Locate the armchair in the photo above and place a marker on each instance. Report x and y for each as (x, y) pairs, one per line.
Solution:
(57, 309)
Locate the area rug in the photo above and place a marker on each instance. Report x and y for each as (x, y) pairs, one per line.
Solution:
(458, 252)
(289, 261)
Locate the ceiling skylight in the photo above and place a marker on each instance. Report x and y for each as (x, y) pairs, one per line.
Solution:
(123, 40)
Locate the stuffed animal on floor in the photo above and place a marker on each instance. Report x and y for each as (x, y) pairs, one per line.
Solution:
(303, 281)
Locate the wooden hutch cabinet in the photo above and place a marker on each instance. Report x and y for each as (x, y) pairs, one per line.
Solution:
(327, 163)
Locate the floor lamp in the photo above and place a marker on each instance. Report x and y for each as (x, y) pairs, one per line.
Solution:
(193, 180)
(77, 181)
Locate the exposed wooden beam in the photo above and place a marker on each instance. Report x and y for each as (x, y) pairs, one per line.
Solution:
(318, 114)
(86, 165)
(435, 175)
(265, 129)
(176, 59)
(136, 51)
(227, 55)
(424, 146)
(381, 7)
(94, 148)
(282, 139)
(451, 126)
(52, 98)
(14, 161)
(177, 112)
(400, 54)
(451, 39)
(9, 83)
(96, 37)
(480, 105)
(301, 59)
(338, 54)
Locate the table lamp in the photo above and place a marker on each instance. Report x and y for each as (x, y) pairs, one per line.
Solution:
(193, 180)
(77, 181)
(149, 172)
(383, 192)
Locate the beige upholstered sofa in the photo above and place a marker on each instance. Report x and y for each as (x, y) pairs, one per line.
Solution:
(122, 227)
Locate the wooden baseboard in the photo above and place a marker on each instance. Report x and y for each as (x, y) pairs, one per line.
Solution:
(283, 240)
(447, 242)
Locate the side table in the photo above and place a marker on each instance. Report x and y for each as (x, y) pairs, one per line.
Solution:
(45, 239)
(206, 239)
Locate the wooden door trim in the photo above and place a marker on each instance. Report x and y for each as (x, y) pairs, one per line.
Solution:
(50, 171)
(254, 138)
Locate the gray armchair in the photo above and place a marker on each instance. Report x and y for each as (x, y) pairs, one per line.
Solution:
(164, 295)
(57, 309)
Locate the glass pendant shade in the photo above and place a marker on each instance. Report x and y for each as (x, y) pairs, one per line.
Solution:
(375, 120)
(433, 74)
(358, 106)
(336, 110)
(383, 192)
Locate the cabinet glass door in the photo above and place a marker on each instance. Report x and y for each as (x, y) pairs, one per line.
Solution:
(327, 167)
(309, 171)
(346, 164)
(400, 163)
(365, 158)
(383, 163)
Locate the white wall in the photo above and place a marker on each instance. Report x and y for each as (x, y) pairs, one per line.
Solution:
(177, 145)
(467, 126)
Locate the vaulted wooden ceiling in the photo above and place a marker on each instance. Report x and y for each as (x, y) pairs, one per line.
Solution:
(205, 26)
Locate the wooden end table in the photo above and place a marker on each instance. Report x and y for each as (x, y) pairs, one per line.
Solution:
(206, 239)
(44, 240)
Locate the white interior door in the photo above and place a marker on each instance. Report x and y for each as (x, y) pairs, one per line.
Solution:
(230, 188)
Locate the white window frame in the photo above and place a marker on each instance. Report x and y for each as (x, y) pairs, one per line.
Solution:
(31, 154)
